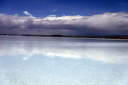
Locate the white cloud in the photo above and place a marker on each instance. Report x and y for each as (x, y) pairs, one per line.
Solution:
(27, 13)
(106, 23)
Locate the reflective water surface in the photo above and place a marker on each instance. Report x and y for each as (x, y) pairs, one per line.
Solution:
(63, 61)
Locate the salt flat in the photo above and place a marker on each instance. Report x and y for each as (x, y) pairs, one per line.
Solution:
(62, 61)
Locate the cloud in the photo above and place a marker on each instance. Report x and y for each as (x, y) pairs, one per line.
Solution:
(27, 13)
(103, 52)
(99, 24)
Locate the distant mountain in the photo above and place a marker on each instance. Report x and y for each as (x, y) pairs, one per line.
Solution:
(57, 35)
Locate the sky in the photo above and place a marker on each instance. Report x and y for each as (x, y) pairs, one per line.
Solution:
(66, 17)
(43, 8)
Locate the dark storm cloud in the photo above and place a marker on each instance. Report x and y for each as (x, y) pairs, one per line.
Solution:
(106, 23)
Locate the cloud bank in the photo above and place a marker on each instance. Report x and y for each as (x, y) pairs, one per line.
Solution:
(99, 24)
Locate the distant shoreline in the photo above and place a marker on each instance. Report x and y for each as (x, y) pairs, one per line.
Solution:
(103, 37)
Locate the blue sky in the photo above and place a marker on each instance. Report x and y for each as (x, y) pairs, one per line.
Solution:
(41, 8)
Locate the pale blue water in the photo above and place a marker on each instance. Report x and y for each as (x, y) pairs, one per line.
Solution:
(63, 61)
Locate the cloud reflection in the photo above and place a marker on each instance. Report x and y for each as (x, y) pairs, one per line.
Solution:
(104, 51)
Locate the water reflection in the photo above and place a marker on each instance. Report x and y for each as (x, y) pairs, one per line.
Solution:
(104, 51)
(62, 61)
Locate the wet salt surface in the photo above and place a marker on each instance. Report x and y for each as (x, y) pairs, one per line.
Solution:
(62, 61)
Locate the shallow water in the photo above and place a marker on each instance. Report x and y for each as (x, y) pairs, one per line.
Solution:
(62, 61)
